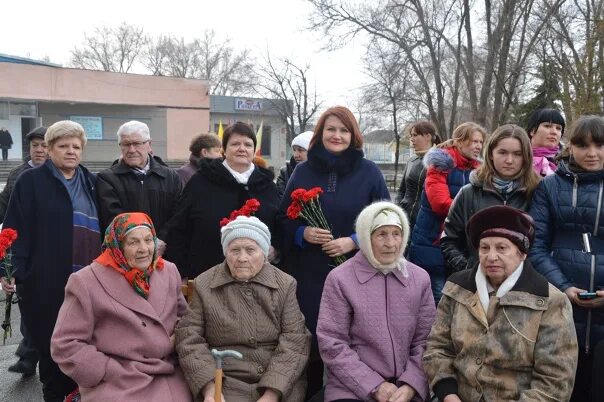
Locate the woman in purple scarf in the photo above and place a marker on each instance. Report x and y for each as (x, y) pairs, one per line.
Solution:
(545, 127)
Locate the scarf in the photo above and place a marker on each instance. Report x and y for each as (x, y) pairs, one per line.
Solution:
(504, 187)
(113, 257)
(542, 160)
(483, 285)
(241, 178)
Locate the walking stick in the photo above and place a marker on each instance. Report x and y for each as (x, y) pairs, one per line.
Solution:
(219, 355)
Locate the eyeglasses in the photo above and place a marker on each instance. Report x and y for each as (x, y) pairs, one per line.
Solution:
(135, 144)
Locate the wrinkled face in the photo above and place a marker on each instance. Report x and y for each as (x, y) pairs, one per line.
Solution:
(472, 146)
(300, 154)
(507, 158)
(135, 150)
(589, 156)
(546, 135)
(336, 137)
(66, 153)
(419, 142)
(239, 151)
(244, 258)
(386, 242)
(38, 151)
(138, 247)
(499, 258)
(211, 153)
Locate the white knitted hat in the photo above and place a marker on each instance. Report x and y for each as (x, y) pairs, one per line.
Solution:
(373, 217)
(302, 140)
(248, 227)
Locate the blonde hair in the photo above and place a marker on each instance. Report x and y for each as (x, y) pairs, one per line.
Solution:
(463, 133)
(527, 176)
(64, 128)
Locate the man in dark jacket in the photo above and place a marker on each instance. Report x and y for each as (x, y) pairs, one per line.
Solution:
(38, 152)
(299, 155)
(138, 182)
(6, 142)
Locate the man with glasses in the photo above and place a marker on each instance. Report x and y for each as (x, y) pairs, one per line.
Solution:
(138, 182)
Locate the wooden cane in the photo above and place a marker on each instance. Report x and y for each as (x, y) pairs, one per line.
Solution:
(218, 385)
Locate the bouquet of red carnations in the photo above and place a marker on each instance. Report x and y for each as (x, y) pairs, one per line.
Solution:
(7, 237)
(305, 204)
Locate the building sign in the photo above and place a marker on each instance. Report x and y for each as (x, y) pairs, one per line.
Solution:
(93, 126)
(248, 104)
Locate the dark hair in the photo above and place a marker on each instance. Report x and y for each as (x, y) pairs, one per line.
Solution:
(238, 128)
(587, 127)
(203, 141)
(426, 127)
(347, 119)
(544, 116)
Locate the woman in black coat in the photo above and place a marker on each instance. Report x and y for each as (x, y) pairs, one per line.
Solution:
(218, 188)
(506, 177)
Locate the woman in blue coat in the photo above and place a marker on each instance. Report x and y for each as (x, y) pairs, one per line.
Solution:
(567, 207)
(350, 183)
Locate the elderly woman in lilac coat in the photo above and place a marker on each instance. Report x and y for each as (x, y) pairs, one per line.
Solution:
(376, 313)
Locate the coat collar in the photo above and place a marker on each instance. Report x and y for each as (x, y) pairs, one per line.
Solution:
(531, 291)
(364, 271)
(222, 276)
(155, 166)
(120, 290)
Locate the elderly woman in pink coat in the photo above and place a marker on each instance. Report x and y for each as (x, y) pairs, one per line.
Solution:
(375, 316)
(114, 333)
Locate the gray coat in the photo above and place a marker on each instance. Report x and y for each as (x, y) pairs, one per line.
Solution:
(260, 319)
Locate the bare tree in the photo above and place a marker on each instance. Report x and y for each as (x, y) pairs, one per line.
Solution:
(390, 90)
(110, 49)
(453, 55)
(287, 86)
(229, 71)
(575, 42)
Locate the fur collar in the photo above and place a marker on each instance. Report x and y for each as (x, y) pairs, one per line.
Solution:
(445, 159)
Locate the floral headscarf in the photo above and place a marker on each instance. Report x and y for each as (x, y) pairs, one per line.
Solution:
(113, 257)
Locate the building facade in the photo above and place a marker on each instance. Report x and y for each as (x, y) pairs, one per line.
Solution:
(34, 93)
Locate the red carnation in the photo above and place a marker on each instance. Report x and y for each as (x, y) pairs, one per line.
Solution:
(224, 221)
(253, 204)
(293, 211)
(297, 194)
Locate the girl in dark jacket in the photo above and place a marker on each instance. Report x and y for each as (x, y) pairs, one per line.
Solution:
(422, 137)
(567, 207)
(219, 187)
(449, 166)
(350, 183)
(505, 178)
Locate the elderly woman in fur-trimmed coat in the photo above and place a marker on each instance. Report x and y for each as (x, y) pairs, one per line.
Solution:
(449, 166)
(502, 332)
(376, 312)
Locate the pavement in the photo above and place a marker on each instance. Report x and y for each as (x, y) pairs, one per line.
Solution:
(14, 388)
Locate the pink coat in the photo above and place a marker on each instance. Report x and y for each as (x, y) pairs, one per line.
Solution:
(115, 344)
(373, 328)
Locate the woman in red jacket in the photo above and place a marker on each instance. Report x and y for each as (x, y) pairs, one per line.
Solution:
(449, 166)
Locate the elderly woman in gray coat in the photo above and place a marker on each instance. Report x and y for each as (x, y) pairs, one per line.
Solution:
(248, 305)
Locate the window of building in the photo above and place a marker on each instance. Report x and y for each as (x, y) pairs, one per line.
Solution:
(266, 141)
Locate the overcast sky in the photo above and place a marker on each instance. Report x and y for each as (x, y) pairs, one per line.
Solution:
(39, 28)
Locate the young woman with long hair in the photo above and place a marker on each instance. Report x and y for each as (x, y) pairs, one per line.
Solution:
(505, 178)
